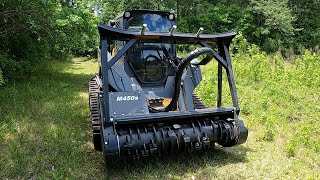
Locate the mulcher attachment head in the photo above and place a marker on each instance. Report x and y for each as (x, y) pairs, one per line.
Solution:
(173, 138)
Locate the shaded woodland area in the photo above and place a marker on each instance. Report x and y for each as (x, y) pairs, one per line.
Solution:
(35, 30)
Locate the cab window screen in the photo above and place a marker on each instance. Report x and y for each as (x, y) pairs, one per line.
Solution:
(147, 59)
(154, 22)
(148, 63)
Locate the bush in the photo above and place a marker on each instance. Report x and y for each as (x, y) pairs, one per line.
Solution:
(12, 69)
(6, 66)
(35, 31)
(1, 78)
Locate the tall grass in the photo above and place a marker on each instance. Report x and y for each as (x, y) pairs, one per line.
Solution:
(278, 96)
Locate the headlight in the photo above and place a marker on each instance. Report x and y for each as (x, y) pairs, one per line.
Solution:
(171, 16)
(127, 14)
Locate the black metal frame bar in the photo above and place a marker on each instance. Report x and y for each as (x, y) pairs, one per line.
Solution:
(219, 97)
(121, 52)
(108, 34)
(223, 48)
(179, 116)
(105, 84)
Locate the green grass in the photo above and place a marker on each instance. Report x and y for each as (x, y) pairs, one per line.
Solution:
(45, 128)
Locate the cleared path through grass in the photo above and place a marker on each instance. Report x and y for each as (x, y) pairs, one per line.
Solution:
(45, 134)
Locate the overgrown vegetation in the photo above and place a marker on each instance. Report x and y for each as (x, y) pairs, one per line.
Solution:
(45, 130)
(283, 94)
(35, 30)
(1, 78)
(273, 25)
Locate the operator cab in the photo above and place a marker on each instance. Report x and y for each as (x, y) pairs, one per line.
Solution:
(149, 61)
(150, 67)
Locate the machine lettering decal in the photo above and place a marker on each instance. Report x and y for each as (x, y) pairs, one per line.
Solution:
(127, 98)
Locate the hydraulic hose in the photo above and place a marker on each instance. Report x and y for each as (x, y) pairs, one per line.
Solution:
(179, 72)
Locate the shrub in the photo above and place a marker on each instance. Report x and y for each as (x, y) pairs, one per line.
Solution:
(1, 78)
(12, 69)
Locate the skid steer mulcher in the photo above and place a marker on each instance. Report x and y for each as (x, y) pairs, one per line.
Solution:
(142, 101)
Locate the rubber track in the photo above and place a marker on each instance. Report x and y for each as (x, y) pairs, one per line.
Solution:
(94, 112)
(197, 102)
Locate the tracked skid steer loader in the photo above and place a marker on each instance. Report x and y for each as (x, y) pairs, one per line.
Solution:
(142, 100)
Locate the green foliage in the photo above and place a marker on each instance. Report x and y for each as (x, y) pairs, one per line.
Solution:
(33, 31)
(214, 17)
(37, 30)
(240, 43)
(278, 96)
(141, 4)
(111, 9)
(306, 135)
(1, 78)
(77, 31)
(273, 25)
(270, 23)
(12, 69)
(308, 22)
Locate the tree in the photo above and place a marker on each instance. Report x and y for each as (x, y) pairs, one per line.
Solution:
(268, 23)
(308, 22)
(35, 30)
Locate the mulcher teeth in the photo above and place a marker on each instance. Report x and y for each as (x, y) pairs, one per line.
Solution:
(133, 142)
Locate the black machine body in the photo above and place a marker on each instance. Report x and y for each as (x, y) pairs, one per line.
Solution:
(142, 101)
